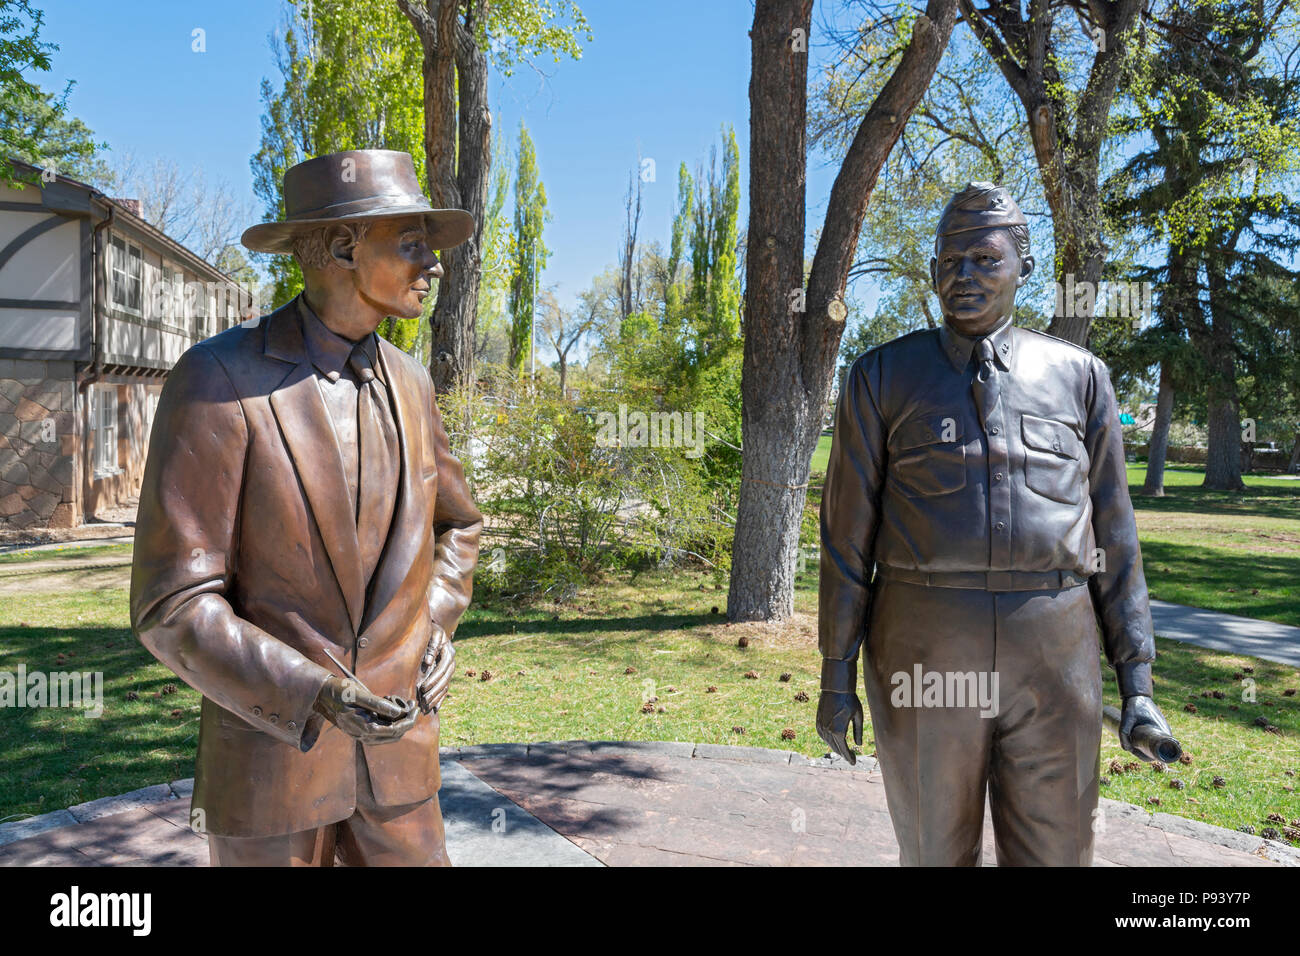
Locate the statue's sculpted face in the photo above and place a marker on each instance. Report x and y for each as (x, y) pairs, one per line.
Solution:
(976, 274)
(394, 266)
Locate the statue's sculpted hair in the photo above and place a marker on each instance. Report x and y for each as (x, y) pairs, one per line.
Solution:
(311, 248)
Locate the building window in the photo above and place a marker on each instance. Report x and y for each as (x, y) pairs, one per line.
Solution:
(103, 417)
(169, 298)
(196, 308)
(125, 263)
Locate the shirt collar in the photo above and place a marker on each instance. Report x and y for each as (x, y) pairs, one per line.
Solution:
(328, 350)
(958, 347)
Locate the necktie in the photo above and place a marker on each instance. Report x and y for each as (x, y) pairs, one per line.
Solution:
(986, 385)
(379, 455)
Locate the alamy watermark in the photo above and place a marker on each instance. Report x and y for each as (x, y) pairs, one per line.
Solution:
(84, 690)
(922, 688)
(653, 430)
(1114, 300)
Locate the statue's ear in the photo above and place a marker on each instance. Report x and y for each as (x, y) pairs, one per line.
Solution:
(1026, 270)
(342, 244)
(934, 274)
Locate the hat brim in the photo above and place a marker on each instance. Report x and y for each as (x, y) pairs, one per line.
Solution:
(448, 228)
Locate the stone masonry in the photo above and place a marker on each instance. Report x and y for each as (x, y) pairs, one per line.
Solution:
(38, 444)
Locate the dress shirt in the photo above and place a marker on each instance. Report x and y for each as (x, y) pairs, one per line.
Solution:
(919, 481)
(339, 387)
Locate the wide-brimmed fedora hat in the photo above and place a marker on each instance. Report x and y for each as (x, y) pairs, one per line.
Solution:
(356, 184)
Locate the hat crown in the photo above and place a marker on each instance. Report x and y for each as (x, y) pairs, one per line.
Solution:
(351, 182)
(980, 205)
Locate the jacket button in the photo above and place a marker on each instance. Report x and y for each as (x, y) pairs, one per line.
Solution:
(998, 476)
(364, 642)
(274, 718)
(994, 430)
(257, 711)
(292, 725)
(1001, 526)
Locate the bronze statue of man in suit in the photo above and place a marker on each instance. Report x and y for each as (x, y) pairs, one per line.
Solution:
(978, 469)
(302, 521)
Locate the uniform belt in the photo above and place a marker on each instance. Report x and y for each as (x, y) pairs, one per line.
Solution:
(986, 580)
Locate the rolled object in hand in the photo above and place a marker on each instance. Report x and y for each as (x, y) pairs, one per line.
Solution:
(1147, 739)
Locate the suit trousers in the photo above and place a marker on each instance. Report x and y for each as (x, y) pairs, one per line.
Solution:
(1036, 750)
(410, 835)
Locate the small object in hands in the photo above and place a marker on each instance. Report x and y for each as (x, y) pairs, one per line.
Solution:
(405, 706)
(1147, 739)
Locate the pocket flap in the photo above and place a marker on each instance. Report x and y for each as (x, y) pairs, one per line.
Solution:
(920, 433)
(1047, 435)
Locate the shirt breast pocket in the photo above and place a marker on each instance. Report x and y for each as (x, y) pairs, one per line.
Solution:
(929, 458)
(1052, 453)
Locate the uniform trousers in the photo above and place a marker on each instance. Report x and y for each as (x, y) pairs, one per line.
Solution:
(410, 835)
(1038, 756)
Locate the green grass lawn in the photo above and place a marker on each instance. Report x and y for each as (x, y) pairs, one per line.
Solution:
(587, 670)
(1238, 553)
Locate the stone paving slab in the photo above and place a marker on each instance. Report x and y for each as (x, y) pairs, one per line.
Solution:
(630, 807)
(661, 803)
(151, 827)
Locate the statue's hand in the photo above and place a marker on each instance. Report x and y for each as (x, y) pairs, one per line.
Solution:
(438, 665)
(363, 715)
(1140, 709)
(835, 711)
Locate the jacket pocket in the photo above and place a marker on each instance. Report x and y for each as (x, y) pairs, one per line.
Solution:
(1052, 453)
(928, 458)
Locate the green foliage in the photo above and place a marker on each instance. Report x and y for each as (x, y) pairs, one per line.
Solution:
(564, 501)
(519, 30)
(497, 264)
(529, 252)
(350, 79)
(34, 125)
(683, 351)
(1207, 195)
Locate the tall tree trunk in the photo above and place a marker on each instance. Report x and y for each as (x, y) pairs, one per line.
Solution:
(1159, 447)
(775, 418)
(789, 356)
(452, 58)
(1223, 456)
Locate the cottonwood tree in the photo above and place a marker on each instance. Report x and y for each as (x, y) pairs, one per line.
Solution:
(458, 38)
(789, 352)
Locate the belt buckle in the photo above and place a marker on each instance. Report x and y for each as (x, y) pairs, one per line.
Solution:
(999, 581)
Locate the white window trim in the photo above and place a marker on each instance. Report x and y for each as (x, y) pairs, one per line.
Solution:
(104, 448)
(128, 246)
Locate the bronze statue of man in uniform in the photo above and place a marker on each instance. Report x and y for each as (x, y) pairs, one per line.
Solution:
(978, 469)
(306, 542)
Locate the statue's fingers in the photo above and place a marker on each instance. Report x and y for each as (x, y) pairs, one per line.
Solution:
(857, 725)
(442, 671)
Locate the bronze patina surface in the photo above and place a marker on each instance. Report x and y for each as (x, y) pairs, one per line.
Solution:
(976, 531)
(306, 541)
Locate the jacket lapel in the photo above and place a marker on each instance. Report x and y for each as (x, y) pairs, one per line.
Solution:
(309, 436)
(411, 521)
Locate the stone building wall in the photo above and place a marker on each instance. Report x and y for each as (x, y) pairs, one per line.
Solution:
(38, 445)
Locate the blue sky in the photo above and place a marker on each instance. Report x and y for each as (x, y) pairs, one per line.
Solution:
(661, 78)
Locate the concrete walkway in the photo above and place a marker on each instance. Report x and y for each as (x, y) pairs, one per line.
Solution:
(581, 803)
(1227, 632)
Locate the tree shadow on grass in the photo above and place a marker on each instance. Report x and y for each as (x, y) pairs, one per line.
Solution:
(1222, 579)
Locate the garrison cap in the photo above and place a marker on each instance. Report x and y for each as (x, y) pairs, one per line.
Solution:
(980, 206)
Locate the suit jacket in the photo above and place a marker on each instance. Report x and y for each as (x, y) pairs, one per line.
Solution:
(246, 570)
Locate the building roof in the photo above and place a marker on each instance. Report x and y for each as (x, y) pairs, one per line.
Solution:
(122, 210)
